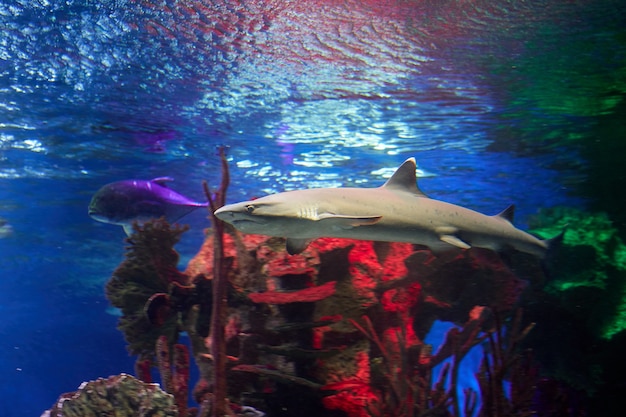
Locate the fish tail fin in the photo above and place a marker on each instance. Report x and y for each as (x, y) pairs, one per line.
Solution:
(555, 243)
(551, 259)
(128, 228)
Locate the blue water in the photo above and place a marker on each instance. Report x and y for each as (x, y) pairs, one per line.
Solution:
(303, 94)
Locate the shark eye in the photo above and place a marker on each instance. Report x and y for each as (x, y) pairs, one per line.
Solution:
(249, 208)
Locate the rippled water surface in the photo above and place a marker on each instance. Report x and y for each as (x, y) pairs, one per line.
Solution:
(497, 100)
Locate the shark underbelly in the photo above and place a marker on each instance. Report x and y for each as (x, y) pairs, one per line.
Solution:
(428, 223)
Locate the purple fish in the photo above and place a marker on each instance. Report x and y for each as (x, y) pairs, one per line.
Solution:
(125, 202)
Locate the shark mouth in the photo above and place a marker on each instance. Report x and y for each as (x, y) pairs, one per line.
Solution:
(240, 222)
(251, 225)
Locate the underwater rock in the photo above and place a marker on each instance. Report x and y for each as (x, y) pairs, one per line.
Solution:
(118, 395)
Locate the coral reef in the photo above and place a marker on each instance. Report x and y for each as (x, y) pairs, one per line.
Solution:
(344, 320)
(150, 268)
(119, 395)
(155, 299)
(390, 293)
(337, 330)
(339, 326)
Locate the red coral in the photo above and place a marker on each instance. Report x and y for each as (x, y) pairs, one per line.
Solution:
(302, 296)
(317, 339)
(278, 264)
(404, 334)
(364, 270)
(174, 373)
(354, 401)
(393, 264)
(401, 300)
(180, 377)
(356, 396)
(142, 370)
(328, 244)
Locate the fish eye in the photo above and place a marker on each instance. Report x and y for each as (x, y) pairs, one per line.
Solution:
(250, 208)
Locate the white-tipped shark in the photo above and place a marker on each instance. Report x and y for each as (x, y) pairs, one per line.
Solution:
(395, 212)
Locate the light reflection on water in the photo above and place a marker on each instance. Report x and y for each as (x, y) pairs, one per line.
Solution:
(180, 77)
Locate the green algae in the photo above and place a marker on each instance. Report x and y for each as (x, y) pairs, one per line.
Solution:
(590, 266)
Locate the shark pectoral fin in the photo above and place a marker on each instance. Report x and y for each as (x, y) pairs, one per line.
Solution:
(454, 241)
(363, 221)
(295, 246)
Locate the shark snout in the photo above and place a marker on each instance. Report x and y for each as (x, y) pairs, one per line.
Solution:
(223, 214)
(231, 212)
(231, 216)
(242, 219)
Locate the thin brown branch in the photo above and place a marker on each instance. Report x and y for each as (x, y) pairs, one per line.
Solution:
(218, 316)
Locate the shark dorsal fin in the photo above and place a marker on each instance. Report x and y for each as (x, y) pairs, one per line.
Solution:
(162, 180)
(507, 214)
(404, 179)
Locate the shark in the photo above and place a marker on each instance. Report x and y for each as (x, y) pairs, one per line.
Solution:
(397, 211)
(128, 201)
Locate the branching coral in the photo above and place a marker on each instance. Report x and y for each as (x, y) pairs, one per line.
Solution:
(404, 385)
(174, 370)
(502, 362)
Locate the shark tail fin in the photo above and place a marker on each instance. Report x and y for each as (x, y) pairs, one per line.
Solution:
(555, 243)
(551, 260)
